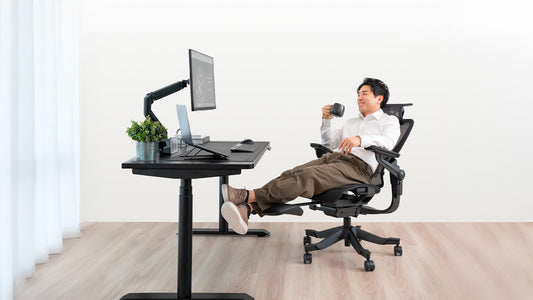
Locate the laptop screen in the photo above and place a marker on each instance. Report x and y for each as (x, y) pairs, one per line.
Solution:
(184, 124)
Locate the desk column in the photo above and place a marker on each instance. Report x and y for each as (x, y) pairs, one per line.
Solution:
(222, 224)
(185, 240)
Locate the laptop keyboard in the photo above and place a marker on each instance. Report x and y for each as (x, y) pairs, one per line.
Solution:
(244, 148)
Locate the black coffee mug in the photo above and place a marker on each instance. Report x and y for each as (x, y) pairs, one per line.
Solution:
(337, 110)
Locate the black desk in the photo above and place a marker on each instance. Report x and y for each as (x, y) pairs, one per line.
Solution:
(186, 170)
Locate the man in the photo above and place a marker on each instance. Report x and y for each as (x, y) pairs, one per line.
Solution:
(350, 163)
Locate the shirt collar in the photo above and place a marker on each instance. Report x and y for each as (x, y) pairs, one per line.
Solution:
(377, 115)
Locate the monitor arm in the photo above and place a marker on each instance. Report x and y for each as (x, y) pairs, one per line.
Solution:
(160, 93)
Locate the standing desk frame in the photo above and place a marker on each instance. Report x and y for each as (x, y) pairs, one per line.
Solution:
(186, 170)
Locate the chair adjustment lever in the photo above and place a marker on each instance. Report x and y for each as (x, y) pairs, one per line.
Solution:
(327, 210)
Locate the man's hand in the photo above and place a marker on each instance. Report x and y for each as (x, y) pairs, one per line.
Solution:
(348, 143)
(325, 112)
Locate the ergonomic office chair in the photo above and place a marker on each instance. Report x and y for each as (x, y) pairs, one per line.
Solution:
(351, 200)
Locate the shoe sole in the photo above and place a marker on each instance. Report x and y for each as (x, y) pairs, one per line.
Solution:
(233, 217)
(225, 192)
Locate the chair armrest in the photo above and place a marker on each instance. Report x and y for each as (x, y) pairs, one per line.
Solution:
(383, 151)
(391, 166)
(320, 149)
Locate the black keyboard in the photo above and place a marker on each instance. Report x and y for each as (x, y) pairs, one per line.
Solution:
(244, 148)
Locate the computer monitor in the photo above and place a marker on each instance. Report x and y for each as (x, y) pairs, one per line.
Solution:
(202, 81)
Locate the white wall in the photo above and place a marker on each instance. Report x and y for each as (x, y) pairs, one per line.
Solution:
(466, 68)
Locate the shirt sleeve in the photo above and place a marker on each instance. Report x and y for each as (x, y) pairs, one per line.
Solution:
(331, 138)
(388, 138)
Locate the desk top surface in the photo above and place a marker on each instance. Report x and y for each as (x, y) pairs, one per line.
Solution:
(235, 161)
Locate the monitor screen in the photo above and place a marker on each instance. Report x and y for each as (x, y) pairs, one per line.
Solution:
(202, 81)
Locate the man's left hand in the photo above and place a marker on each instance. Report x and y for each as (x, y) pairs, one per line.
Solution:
(348, 143)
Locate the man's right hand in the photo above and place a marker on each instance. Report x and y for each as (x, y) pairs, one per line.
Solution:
(326, 114)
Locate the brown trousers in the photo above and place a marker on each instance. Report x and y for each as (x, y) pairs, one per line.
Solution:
(317, 176)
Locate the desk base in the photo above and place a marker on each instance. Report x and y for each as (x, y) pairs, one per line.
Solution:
(213, 231)
(174, 296)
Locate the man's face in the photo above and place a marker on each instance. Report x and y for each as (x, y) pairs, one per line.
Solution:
(367, 102)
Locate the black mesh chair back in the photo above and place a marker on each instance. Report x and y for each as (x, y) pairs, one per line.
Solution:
(406, 125)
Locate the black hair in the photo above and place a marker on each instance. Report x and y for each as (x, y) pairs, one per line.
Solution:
(378, 87)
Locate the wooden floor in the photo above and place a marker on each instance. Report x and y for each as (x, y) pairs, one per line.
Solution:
(440, 261)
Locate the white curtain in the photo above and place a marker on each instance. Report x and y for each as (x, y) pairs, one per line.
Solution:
(39, 134)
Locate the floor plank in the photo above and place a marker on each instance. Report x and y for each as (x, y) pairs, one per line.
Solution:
(440, 261)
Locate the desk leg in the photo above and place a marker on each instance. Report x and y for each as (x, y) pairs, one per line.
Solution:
(185, 239)
(222, 224)
(185, 257)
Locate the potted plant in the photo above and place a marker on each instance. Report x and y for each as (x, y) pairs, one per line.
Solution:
(148, 134)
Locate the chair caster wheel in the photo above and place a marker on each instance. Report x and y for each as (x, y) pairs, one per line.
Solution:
(307, 240)
(308, 258)
(369, 265)
(398, 250)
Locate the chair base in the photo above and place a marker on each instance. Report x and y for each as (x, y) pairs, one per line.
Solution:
(352, 235)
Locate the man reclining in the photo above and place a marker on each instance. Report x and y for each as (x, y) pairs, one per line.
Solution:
(350, 163)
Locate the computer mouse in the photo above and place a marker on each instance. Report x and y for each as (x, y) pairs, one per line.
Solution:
(247, 141)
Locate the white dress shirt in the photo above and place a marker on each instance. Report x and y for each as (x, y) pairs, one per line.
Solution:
(379, 129)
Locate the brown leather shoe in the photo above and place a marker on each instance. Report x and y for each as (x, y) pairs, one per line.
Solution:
(236, 216)
(236, 196)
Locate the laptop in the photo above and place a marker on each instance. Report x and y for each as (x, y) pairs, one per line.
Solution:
(186, 136)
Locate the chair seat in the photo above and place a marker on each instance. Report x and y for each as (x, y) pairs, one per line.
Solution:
(354, 195)
(353, 192)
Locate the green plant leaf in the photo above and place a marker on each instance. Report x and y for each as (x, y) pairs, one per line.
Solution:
(147, 131)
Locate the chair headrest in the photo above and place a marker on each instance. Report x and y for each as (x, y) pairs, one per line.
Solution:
(396, 110)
